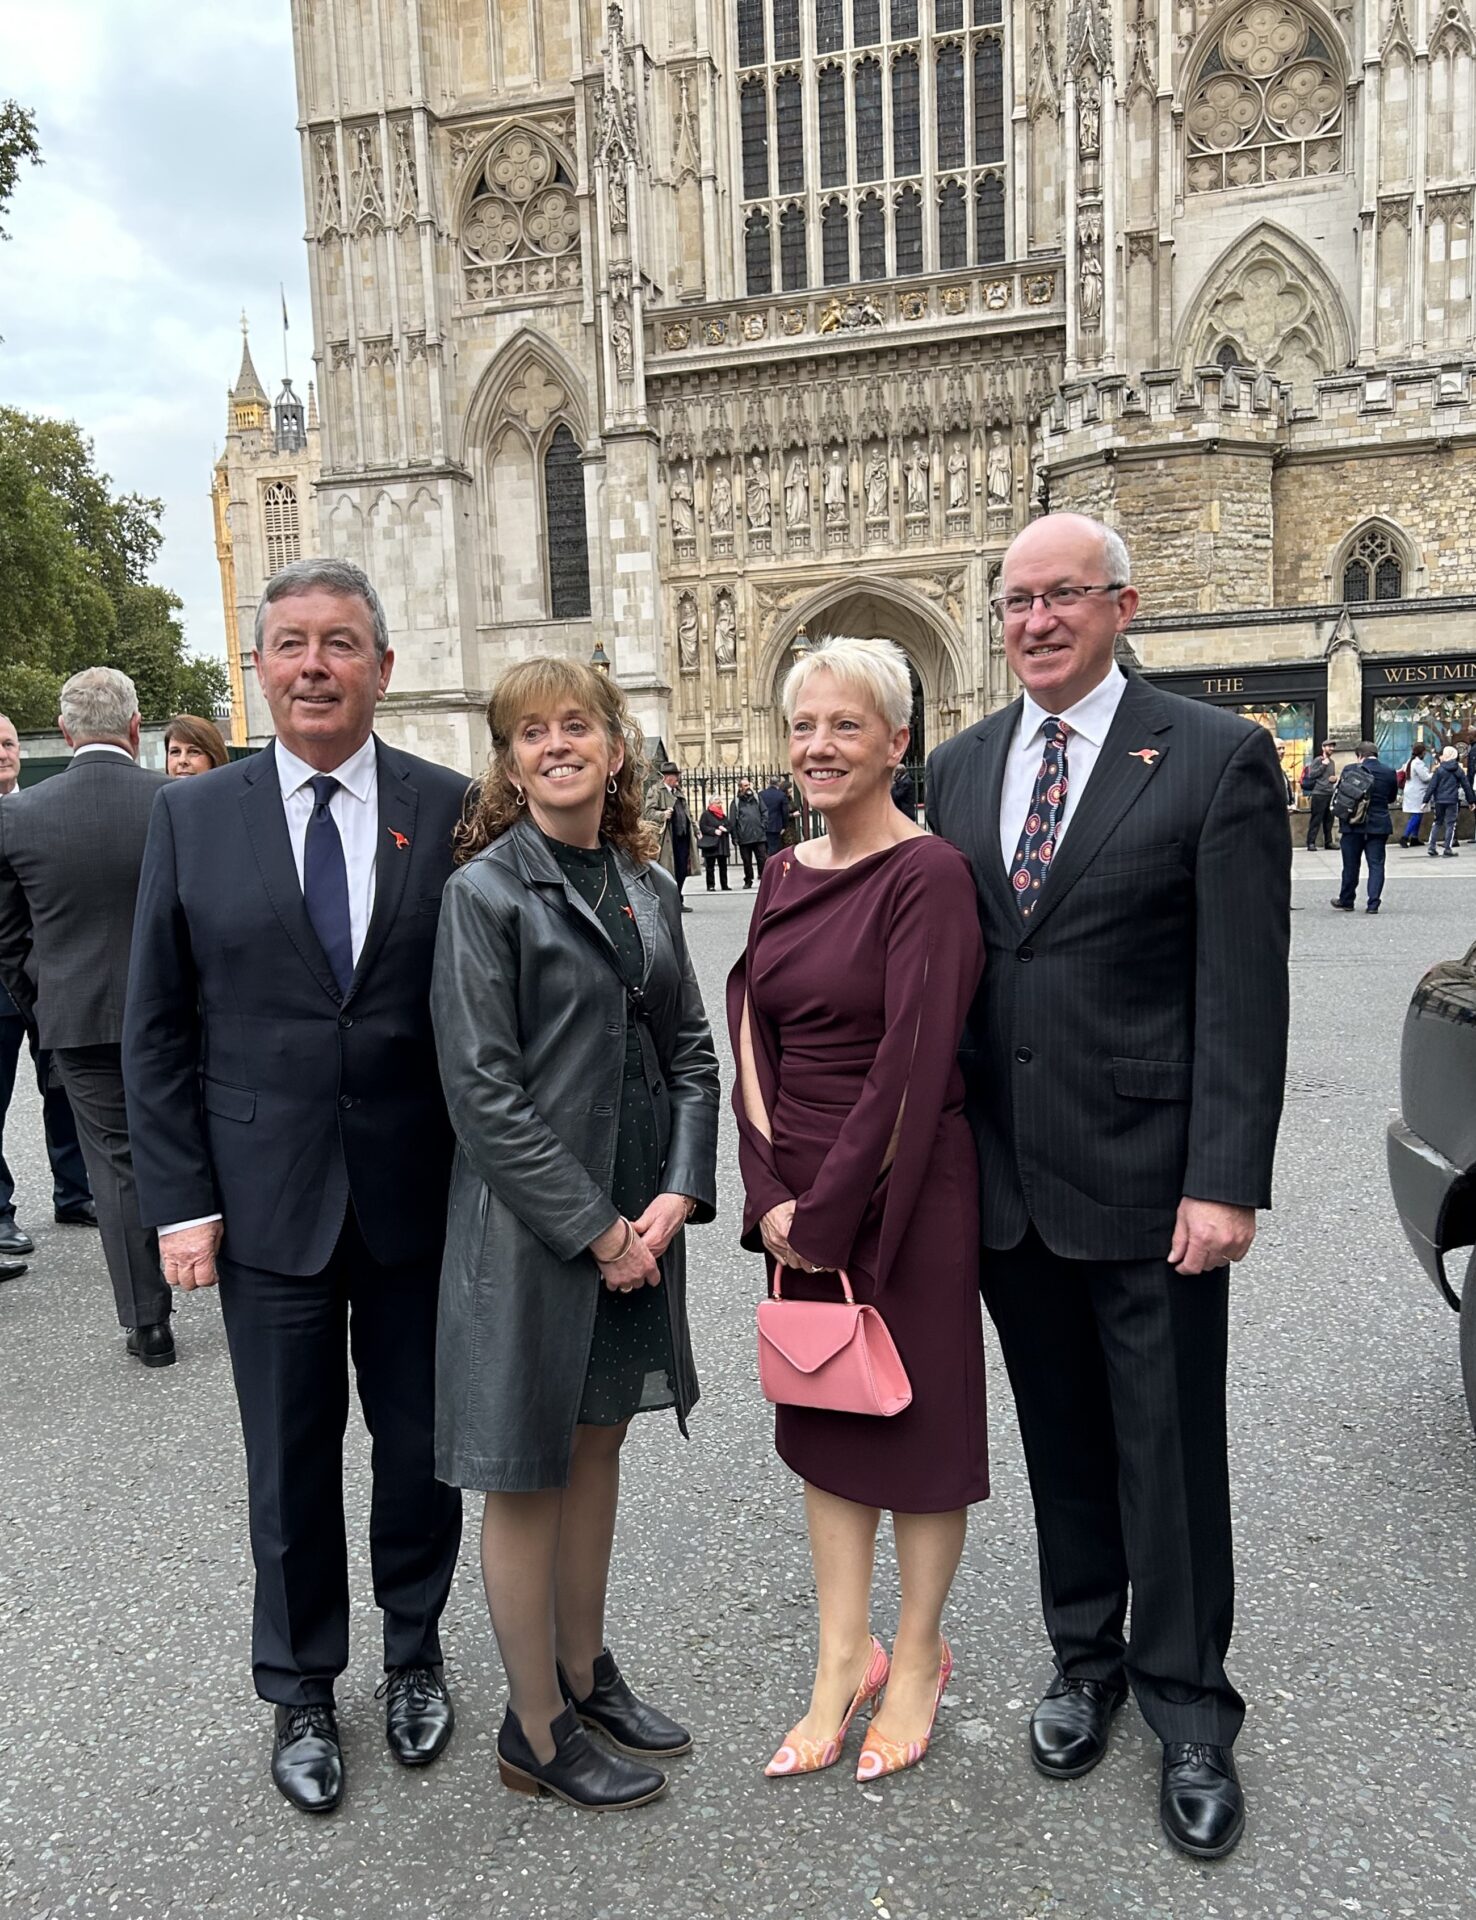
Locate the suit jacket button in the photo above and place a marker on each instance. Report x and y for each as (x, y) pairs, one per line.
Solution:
(345, 1019)
(345, 1100)
(1024, 1055)
(1025, 953)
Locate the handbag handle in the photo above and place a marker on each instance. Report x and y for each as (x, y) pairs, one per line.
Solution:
(845, 1280)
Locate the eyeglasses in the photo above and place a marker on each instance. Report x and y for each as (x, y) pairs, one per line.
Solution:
(1018, 606)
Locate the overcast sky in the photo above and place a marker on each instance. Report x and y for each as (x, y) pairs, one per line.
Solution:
(171, 198)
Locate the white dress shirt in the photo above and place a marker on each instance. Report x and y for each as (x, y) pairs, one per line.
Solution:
(355, 811)
(1088, 720)
(99, 746)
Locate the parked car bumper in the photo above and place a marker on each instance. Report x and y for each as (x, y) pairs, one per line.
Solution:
(1424, 1184)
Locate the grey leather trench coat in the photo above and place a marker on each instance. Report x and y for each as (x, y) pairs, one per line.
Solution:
(530, 1021)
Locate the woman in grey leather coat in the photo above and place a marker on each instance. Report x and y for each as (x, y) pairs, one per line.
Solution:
(581, 1080)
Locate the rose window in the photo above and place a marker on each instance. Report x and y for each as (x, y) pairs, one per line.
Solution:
(1267, 105)
(520, 232)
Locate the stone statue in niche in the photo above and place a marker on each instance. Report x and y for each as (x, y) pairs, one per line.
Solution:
(621, 338)
(837, 492)
(619, 214)
(687, 633)
(683, 520)
(797, 490)
(1089, 270)
(725, 631)
(999, 474)
(757, 487)
(1089, 117)
(722, 502)
(958, 477)
(876, 485)
(917, 478)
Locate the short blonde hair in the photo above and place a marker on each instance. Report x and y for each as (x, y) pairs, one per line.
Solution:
(876, 669)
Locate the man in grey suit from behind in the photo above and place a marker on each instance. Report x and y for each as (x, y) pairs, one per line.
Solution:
(71, 850)
(1124, 1062)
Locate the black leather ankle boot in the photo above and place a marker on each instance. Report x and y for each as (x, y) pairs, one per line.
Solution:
(581, 1771)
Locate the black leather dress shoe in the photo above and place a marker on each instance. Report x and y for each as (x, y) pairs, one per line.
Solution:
(153, 1345)
(12, 1269)
(1200, 1802)
(625, 1721)
(84, 1214)
(13, 1240)
(1068, 1730)
(581, 1772)
(307, 1761)
(418, 1716)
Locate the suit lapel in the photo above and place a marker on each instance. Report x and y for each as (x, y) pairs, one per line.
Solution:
(993, 745)
(1122, 773)
(266, 827)
(393, 853)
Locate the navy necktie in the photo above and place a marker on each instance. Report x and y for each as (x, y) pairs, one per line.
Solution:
(325, 883)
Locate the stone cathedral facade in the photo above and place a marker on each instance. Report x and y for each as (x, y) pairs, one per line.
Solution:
(691, 329)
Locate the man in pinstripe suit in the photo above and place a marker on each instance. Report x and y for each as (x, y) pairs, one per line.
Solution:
(1124, 1059)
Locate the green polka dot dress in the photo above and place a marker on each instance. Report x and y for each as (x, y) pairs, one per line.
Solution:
(630, 1358)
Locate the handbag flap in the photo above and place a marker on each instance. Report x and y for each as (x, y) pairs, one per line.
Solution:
(807, 1333)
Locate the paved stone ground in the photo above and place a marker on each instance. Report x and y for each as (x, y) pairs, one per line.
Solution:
(133, 1775)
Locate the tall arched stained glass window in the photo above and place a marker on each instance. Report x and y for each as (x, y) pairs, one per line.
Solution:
(832, 95)
(865, 22)
(568, 538)
(908, 231)
(906, 127)
(871, 238)
(789, 118)
(786, 29)
(948, 15)
(755, 129)
(991, 232)
(758, 257)
(794, 268)
(988, 99)
(870, 159)
(953, 227)
(904, 19)
(750, 33)
(830, 25)
(835, 242)
(949, 82)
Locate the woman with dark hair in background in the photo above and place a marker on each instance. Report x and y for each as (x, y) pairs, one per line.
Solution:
(192, 745)
(582, 1085)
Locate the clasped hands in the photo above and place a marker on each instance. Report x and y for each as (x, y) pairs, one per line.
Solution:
(774, 1229)
(626, 1253)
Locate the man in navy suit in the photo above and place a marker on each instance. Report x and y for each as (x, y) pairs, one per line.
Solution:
(1124, 1061)
(291, 1142)
(1368, 838)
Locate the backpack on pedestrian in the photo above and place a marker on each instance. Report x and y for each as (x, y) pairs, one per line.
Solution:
(1310, 775)
(1351, 795)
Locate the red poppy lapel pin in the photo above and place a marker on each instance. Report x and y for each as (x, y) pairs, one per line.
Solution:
(1146, 754)
(401, 840)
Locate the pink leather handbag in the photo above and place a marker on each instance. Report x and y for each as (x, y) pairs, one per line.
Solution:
(829, 1353)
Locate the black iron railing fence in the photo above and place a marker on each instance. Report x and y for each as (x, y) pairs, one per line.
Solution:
(701, 784)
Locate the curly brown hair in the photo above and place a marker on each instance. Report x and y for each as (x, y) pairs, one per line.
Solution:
(539, 687)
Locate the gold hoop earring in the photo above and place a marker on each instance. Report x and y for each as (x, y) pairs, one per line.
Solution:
(613, 786)
(522, 797)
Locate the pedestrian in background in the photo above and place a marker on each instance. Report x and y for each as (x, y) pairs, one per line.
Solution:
(856, 1156)
(70, 853)
(774, 801)
(666, 813)
(71, 1195)
(292, 1143)
(904, 792)
(1413, 794)
(1319, 782)
(749, 831)
(192, 745)
(583, 1089)
(713, 838)
(1365, 791)
(1448, 786)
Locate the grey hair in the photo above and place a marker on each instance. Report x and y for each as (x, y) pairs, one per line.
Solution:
(331, 576)
(876, 669)
(97, 704)
(1115, 554)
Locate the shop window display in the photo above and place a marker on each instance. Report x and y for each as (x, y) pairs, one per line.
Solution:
(1445, 720)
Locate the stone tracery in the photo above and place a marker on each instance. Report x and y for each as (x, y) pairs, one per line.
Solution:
(520, 231)
(1267, 103)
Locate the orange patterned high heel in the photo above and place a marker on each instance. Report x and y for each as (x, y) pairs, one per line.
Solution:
(880, 1755)
(814, 1756)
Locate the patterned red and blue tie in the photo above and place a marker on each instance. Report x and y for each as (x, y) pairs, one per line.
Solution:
(1033, 855)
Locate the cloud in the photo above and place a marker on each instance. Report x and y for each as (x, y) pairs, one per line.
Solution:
(171, 198)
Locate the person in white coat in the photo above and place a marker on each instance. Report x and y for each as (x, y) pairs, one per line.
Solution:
(1416, 786)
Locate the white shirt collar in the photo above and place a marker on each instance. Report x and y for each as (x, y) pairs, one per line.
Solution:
(1090, 717)
(100, 746)
(356, 775)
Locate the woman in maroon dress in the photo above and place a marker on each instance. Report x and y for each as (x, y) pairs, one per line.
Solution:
(846, 1011)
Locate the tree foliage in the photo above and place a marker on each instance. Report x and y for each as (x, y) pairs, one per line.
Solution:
(18, 144)
(74, 561)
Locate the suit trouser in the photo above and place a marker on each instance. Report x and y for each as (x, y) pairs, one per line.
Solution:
(286, 1334)
(1356, 846)
(69, 1186)
(93, 1079)
(1118, 1372)
(753, 855)
(1320, 820)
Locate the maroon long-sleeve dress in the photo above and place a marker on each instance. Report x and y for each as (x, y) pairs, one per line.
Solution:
(857, 981)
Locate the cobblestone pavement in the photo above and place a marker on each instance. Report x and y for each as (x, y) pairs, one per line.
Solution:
(133, 1777)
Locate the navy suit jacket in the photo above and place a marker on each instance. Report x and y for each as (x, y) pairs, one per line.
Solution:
(1127, 1045)
(255, 1088)
(1381, 796)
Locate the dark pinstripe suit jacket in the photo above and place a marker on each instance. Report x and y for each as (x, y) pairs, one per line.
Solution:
(1127, 1045)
